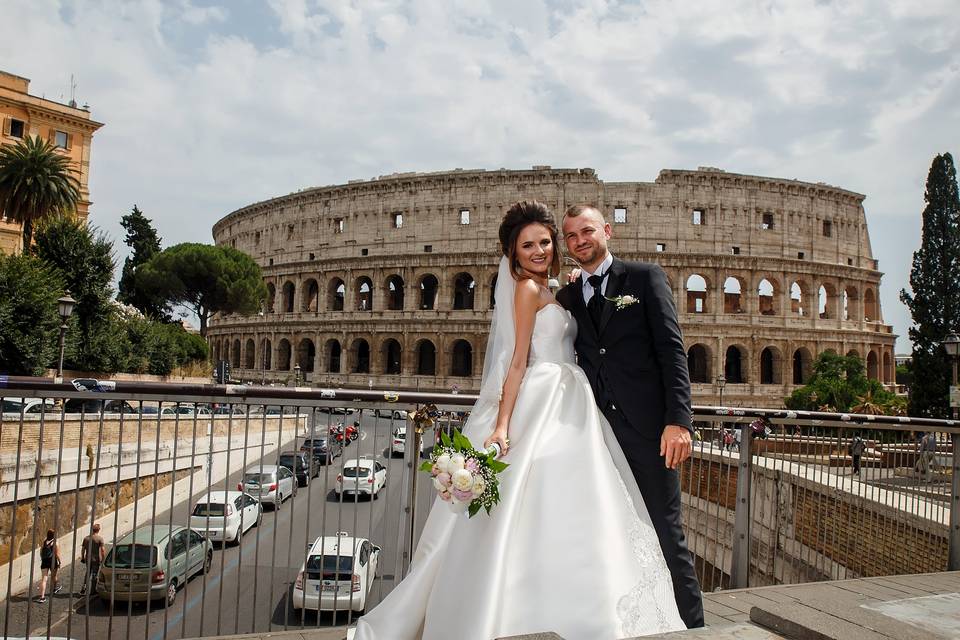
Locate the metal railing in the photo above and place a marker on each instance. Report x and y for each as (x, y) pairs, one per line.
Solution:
(779, 504)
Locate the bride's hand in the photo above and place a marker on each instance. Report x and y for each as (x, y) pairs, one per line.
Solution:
(573, 275)
(499, 436)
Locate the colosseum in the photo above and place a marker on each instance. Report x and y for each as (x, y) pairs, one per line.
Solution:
(387, 283)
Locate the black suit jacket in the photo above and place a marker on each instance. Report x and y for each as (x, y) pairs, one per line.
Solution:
(635, 359)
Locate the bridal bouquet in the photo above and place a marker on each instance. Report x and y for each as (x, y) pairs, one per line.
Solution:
(464, 477)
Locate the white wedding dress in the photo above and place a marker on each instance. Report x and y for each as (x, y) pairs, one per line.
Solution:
(570, 548)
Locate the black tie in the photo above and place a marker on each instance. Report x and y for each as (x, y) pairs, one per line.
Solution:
(595, 306)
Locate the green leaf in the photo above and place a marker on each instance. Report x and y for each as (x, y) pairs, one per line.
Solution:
(498, 466)
(474, 508)
(445, 439)
(426, 466)
(460, 441)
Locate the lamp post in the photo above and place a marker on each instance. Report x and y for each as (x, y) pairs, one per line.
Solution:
(65, 307)
(721, 383)
(296, 375)
(951, 344)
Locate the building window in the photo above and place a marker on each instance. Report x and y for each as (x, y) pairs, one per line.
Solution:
(233, 243)
(256, 238)
(800, 255)
(313, 256)
(397, 220)
(661, 247)
(271, 262)
(464, 216)
(736, 251)
(61, 139)
(767, 221)
(338, 225)
(699, 217)
(17, 128)
(364, 252)
(620, 215)
(827, 229)
(290, 229)
(849, 262)
(428, 248)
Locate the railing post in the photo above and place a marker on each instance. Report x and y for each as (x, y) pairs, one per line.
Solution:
(415, 427)
(953, 561)
(740, 563)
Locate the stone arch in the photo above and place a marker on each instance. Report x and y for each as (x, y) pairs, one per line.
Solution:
(235, 354)
(336, 294)
(851, 299)
(799, 302)
(429, 285)
(266, 354)
(697, 288)
(395, 292)
(854, 353)
(493, 291)
(699, 363)
(464, 288)
(391, 355)
(768, 297)
(827, 300)
(889, 373)
(733, 295)
(426, 358)
(283, 355)
(215, 350)
(873, 365)
(360, 356)
(311, 296)
(364, 291)
(289, 291)
(802, 366)
(250, 355)
(271, 296)
(735, 365)
(771, 366)
(332, 353)
(461, 359)
(306, 354)
(870, 311)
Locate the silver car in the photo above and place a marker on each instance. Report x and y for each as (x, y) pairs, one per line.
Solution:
(152, 562)
(269, 483)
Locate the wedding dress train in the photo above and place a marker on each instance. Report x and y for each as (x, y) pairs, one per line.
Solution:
(570, 548)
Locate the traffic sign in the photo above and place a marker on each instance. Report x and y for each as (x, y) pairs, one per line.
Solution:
(955, 396)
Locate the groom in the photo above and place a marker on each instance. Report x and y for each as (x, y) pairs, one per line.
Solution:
(630, 346)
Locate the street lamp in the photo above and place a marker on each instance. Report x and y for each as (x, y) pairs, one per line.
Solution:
(296, 375)
(65, 307)
(951, 344)
(721, 383)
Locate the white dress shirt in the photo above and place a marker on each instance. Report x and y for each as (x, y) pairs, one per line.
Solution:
(603, 268)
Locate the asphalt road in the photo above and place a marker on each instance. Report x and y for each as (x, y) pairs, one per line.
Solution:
(248, 588)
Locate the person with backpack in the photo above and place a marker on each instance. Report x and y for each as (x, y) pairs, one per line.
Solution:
(49, 565)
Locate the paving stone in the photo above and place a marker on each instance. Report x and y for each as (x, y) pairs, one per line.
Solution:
(726, 632)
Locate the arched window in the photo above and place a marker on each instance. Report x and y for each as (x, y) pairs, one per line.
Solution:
(428, 291)
(332, 352)
(235, 355)
(462, 359)
(463, 290)
(870, 313)
(215, 348)
(802, 365)
(395, 293)
(850, 300)
(312, 296)
(336, 292)
(271, 296)
(250, 355)
(364, 294)
(392, 357)
(426, 358)
(889, 374)
(698, 363)
(770, 366)
(306, 354)
(361, 356)
(283, 355)
(696, 294)
(288, 291)
(732, 295)
(768, 296)
(796, 299)
(266, 350)
(733, 366)
(827, 301)
(493, 291)
(873, 366)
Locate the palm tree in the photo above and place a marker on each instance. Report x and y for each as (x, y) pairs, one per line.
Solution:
(867, 404)
(36, 181)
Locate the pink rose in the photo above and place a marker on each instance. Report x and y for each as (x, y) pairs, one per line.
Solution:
(444, 479)
(463, 496)
(472, 465)
(445, 496)
(435, 470)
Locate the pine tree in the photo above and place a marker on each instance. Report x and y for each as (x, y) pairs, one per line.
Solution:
(935, 281)
(142, 238)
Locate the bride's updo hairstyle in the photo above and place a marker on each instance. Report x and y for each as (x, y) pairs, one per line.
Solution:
(519, 216)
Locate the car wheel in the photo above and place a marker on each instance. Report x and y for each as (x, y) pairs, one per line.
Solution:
(236, 538)
(171, 593)
(259, 517)
(208, 562)
(376, 495)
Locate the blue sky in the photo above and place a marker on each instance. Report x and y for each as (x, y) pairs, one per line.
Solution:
(212, 105)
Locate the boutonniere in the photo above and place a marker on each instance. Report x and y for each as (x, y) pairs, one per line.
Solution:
(622, 302)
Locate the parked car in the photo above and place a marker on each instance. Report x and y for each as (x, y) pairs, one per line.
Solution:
(185, 409)
(92, 405)
(29, 406)
(337, 575)
(399, 441)
(392, 414)
(152, 562)
(302, 465)
(361, 476)
(226, 515)
(341, 411)
(322, 449)
(228, 410)
(270, 483)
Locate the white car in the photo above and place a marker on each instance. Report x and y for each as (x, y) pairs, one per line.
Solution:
(224, 516)
(29, 406)
(361, 475)
(270, 483)
(398, 442)
(337, 575)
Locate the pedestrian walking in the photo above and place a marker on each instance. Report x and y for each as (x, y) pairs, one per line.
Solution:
(92, 553)
(49, 565)
(927, 457)
(856, 449)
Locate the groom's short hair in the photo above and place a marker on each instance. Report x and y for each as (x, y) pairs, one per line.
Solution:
(579, 209)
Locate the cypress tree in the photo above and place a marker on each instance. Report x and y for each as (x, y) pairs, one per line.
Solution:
(935, 301)
(143, 239)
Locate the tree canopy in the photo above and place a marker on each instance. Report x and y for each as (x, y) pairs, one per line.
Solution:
(29, 322)
(142, 238)
(839, 383)
(205, 278)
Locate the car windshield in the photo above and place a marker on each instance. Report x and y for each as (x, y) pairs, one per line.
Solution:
(132, 556)
(356, 472)
(258, 478)
(333, 567)
(289, 460)
(316, 444)
(400, 435)
(208, 509)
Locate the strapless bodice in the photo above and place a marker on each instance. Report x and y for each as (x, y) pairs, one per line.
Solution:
(553, 333)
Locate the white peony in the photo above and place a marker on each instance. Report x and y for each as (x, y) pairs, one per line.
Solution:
(462, 479)
(443, 463)
(457, 462)
(479, 486)
(438, 485)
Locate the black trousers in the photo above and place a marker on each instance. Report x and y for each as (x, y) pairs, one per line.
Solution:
(660, 488)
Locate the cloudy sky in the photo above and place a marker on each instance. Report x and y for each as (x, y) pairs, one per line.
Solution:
(210, 106)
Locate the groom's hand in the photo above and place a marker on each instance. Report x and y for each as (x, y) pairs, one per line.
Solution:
(675, 445)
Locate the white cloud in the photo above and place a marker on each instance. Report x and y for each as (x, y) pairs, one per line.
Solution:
(208, 108)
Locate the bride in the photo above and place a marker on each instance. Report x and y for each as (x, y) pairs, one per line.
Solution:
(570, 548)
